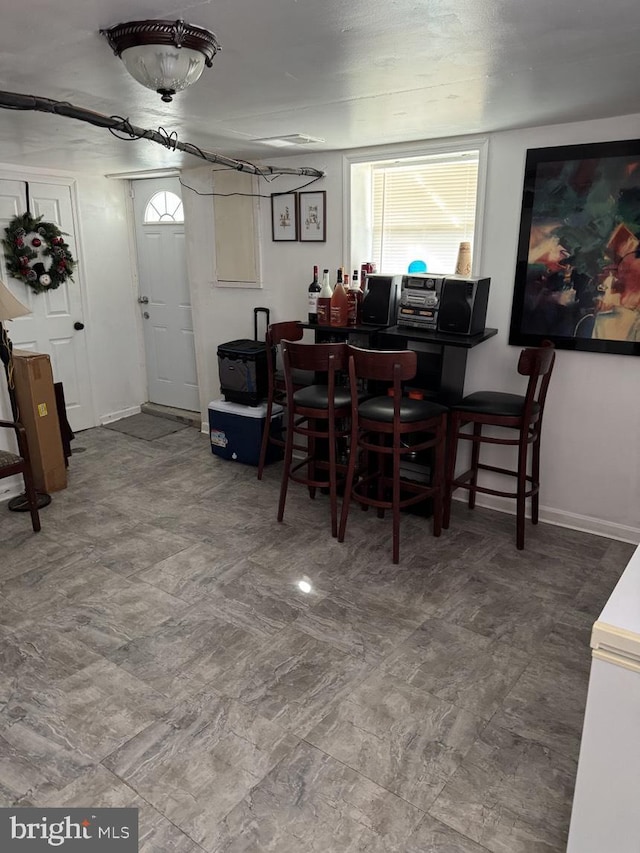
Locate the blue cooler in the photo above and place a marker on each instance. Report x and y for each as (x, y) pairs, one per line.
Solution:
(236, 431)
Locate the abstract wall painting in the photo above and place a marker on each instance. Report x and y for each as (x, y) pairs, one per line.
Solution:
(577, 277)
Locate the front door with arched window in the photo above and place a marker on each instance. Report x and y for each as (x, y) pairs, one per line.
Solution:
(165, 302)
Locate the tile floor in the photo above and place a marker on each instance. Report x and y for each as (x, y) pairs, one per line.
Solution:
(156, 651)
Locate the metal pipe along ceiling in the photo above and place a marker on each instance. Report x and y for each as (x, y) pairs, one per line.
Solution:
(117, 124)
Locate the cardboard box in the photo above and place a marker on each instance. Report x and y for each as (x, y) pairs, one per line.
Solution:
(38, 413)
(236, 431)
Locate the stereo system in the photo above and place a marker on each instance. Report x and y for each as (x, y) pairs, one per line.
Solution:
(443, 303)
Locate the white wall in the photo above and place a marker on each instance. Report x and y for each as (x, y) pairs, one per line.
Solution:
(591, 437)
(222, 314)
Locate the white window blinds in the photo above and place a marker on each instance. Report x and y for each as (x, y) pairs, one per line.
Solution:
(423, 210)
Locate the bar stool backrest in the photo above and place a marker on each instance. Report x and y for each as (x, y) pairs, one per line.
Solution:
(290, 330)
(383, 365)
(395, 366)
(320, 358)
(536, 363)
(276, 333)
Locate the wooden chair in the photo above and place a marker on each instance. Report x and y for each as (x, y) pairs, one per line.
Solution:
(317, 414)
(392, 430)
(11, 464)
(522, 413)
(276, 392)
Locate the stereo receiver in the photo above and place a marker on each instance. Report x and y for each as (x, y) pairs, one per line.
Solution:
(420, 301)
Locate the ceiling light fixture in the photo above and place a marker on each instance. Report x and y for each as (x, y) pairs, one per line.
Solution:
(166, 56)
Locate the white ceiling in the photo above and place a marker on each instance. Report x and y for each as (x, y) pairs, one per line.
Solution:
(351, 72)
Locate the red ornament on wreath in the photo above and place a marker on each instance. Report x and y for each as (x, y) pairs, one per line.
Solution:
(36, 253)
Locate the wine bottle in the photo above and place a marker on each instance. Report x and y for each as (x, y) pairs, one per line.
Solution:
(314, 290)
(354, 299)
(324, 300)
(339, 303)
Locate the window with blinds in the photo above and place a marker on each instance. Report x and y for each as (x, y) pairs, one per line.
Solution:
(421, 210)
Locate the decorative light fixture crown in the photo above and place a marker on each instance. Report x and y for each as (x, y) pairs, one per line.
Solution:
(166, 56)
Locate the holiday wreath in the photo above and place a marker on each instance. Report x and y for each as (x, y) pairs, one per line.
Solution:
(36, 253)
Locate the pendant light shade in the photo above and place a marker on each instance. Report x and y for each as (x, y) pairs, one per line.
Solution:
(166, 56)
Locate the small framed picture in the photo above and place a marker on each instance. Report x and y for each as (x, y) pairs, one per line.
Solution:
(284, 217)
(311, 216)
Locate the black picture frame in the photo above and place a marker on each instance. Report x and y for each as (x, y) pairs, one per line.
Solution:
(284, 217)
(312, 216)
(577, 280)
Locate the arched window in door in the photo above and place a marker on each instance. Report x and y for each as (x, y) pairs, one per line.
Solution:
(164, 206)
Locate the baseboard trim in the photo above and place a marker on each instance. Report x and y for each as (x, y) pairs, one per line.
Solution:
(11, 489)
(560, 518)
(116, 416)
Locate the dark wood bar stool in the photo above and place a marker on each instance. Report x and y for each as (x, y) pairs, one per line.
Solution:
(522, 413)
(11, 463)
(318, 414)
(386, 430)
(290, 330)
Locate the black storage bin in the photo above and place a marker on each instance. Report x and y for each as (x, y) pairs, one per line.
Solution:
(242, 366)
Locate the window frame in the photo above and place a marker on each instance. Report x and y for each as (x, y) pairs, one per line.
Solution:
(151, 223)
(412, 150)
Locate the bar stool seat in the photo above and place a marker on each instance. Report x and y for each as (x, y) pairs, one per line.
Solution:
(317, 396)
(498, 403)
(382, 409)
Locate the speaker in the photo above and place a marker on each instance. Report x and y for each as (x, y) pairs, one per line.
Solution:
(463, 305)
(380, 301)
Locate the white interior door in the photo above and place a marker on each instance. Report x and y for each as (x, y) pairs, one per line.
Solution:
(52, 326)
(162, 270)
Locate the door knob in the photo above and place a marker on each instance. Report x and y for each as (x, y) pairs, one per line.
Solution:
(78, 325)
(143, 300)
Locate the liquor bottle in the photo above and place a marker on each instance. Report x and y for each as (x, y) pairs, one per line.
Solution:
(364, 271)
(354, 298)
(314, 290)
(324, 300)
(339, 303)
(360, 285)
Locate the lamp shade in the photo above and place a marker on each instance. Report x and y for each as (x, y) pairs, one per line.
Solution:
(166, 56)
(10, 307)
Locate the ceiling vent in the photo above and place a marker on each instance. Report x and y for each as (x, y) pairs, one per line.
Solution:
(286, 141)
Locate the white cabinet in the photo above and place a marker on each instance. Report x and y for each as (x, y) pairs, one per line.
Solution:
(606, 805)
